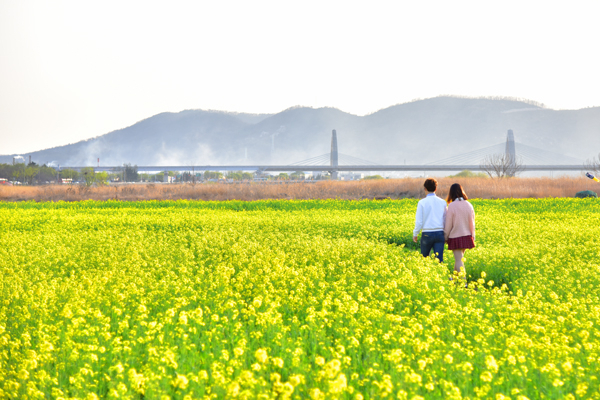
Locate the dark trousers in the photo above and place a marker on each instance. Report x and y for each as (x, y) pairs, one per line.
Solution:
(435, 241)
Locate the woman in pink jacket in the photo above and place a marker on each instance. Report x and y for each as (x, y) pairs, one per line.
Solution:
(459, 227)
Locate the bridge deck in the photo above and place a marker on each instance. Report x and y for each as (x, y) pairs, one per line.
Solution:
(319, 168)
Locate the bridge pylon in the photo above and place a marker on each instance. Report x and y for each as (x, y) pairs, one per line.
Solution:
(510, 152)
(334, 156)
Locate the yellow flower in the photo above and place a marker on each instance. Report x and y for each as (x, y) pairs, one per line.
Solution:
(581, 389)
(490, 361)
(261, 355)
(183, 319)
(23, 374)
(118, 368)
(233, 390)
(486, 376)
(225, 355)
(288, 389)
(316, 394)
(180, 382)
(557, 382)
(467, 367)
(238, 351)
(412, 377)
(296, 379)
(338, 385)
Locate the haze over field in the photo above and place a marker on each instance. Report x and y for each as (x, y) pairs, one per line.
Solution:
(416, 133)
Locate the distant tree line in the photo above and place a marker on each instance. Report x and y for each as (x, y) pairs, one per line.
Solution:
(34, 174)
(30, 174)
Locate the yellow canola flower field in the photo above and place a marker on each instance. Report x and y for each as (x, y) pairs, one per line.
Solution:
(295, 299)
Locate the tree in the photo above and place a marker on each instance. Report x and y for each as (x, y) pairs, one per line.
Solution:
(297, 175)
(593, 165)
(469, 174)
(501, 165)
(130, 173)
(159, 177)
(46, 174)
(191, 175)
(69, 174)
(116, 175)
(235, 175)
(89, 176)
(146, 177)
(101, 178)
(30, 173)
(6, 171)
(213, 175)
(18, 174)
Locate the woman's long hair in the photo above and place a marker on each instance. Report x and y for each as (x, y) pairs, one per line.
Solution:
(455, 192)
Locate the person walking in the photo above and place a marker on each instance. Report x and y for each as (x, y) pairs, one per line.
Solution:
(431, 212)
(459, 227)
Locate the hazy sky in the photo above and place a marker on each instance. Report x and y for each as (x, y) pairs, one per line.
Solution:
(71, 70)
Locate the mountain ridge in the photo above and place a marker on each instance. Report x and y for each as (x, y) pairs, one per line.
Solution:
(417, 132)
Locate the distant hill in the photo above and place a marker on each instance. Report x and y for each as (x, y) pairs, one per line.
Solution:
(416, 132)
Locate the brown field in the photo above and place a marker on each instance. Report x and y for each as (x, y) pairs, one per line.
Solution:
(355, 190)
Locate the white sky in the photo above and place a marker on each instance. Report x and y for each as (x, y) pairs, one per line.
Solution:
(71, 70)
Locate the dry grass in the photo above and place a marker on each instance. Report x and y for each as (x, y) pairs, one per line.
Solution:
(356, 190)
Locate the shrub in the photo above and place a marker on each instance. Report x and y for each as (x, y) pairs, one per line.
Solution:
(469, 174)
(585, 193)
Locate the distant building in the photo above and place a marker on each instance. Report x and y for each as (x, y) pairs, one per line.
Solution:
(352, 176)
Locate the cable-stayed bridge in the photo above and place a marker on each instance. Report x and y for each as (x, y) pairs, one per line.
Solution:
(530, 158)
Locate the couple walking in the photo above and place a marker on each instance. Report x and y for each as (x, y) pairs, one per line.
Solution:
(451, 221)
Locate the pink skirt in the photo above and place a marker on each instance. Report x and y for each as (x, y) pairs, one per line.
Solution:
(463, 242)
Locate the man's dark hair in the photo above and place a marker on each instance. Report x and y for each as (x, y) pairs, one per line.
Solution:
(430, 184)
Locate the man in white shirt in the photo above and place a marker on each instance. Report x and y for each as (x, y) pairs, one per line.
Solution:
(431, 213)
